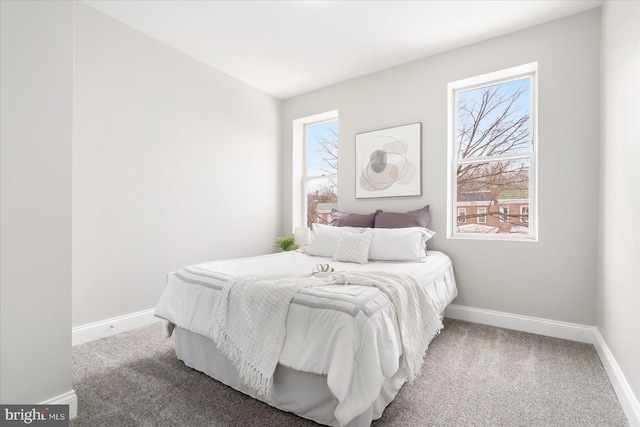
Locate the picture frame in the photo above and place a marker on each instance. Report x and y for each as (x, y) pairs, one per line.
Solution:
(388, 162)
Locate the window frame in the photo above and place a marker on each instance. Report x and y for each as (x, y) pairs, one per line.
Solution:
(522, 214)
(503, 213)
(299, 165)
(463, 214)
(510, 74)
(482, 216)
(306, 179)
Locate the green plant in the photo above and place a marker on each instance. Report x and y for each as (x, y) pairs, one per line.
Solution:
(286, 243)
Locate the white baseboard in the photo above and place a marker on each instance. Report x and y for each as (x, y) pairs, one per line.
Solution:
(69, 398)
(563, 330)
(627, 398)
(108, 327)
(534, 325)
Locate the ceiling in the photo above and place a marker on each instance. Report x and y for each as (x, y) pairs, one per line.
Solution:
(286, 48)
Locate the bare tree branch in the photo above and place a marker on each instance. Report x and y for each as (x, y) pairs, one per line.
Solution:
(329, 153)
(326, 192)
(492, 123)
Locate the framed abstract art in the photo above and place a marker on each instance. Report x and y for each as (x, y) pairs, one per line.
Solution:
(388, 162)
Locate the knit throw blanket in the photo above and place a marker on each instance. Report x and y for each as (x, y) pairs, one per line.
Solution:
(248, 323)
(418, 321)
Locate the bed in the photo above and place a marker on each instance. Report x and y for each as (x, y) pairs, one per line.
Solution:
(341, 359)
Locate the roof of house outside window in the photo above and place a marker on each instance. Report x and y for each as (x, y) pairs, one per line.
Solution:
(485, 196)
(475, 196)
(326, 206)
(514, 194)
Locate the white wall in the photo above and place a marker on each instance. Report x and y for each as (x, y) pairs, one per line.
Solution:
(35, 214)
(173, 163)
(553, 278)
(618, 308)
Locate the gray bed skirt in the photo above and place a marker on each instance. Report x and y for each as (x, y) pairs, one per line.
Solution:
(302, 393)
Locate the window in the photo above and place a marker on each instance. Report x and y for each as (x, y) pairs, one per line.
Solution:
(482, 215)
(524, 214)
(321, 171)
(492, 154)
(307, 166)
(504, 213)
(462, 215)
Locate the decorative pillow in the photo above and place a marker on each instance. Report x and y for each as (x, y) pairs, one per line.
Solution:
(325, 239)
(354, 247)
(346, 219)
(417, 218)
(399, 244)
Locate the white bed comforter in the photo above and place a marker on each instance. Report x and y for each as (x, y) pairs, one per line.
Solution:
(348, 333)
(248, 323)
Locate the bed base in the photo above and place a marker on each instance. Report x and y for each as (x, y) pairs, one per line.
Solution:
(304, 394)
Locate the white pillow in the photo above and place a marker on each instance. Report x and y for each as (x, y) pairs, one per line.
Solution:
(325, 239)
(399, 244)
(354, 247)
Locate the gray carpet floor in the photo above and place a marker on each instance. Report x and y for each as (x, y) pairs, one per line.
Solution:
(474, 375)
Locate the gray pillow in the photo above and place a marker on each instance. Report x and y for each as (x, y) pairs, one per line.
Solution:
(417, 218)
(346, 219)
